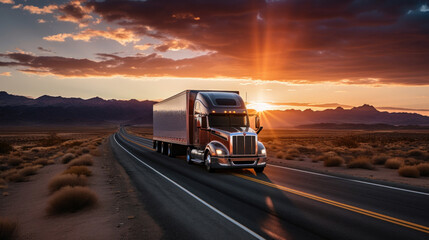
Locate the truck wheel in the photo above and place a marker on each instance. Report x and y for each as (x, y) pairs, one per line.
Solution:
(170, 152)
(259, 169)
(188, 155)
(163, 148)
(158, 146)
(208, 163)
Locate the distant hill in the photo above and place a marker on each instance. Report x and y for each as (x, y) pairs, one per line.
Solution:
(364, 114)
(377, 126)
(17, 110)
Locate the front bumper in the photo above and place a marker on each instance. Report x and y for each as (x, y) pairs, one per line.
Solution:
(238, 161)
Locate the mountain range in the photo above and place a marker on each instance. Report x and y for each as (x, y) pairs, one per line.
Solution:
(20, 110)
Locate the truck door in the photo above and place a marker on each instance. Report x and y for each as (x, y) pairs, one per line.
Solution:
(201, 134)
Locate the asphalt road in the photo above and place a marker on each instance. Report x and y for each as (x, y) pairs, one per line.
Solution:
(189, 203)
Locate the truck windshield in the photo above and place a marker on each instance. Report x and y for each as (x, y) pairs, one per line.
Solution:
(228, 121)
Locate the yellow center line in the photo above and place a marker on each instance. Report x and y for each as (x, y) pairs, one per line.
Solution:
(324, 200)
(341, 205)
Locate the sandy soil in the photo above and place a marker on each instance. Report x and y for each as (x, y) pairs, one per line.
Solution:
(380, 173)
(118, 215)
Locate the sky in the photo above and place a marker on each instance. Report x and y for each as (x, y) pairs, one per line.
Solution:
(282, 54)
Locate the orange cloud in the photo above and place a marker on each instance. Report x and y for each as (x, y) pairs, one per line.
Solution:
(6, 74)
(121, 35)
(43, 10)
(143, 47)
(76, 13)
(41, 21)
(175, 45)
(7, 1)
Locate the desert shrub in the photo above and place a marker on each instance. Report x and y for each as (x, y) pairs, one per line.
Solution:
(51, 161)
(72, 180)
(279, 154)
(361, 162)
(292, 153)
(423, 169)
(5, 147)
(7, 229)
(28, 171)
(14, 161)
(380, 159)
(51, 140)
(72, 143)
(16, 177)
(78, 170)
(347, 141)
(415, 153)
(394, 163)
(409, 171)
(84, 160)
(67, 157)
(41, 161)
(85, 150)
(71, 199)
(95, 152)
(325, 156)
(333, 161)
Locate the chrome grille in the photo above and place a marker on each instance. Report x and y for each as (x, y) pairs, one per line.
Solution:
(243, 145)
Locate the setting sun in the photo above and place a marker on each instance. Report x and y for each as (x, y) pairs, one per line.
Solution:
(260, 106)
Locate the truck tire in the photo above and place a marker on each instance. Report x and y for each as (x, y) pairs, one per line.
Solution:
(259, 169)
(170, 151)
(158, 146)
(163, 148)
(208, 162)
(188, 155)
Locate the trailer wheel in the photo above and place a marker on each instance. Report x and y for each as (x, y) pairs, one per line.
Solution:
(259, 169)
(188, 155)
(170, 151)
(158, 146)
(208, 162)
(163, 148)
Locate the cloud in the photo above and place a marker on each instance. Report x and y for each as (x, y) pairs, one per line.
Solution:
(17, 6)
(41, 21)
(38, 10)
(404, 109)
(75, 12)
(121, 35)
(143, 47)
(5, 74)
(152, 65)
(371, 43)
(175, 45)
(7, 1)
(318, 105)
(45, 50)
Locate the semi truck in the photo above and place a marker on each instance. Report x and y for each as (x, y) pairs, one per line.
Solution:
(209, 127)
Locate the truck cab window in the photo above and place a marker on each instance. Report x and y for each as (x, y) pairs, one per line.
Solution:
(228, 120)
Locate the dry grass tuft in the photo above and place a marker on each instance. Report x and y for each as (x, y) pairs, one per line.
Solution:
(84, 160)
(394, 163)
(5, 147)
(7, 229)
(67, 158)
(41, 161)
(85, 150)
(361, 162)
(61, 181)
(14, 161)
(380, 159)
(71, 199)
(51, 161)
(423, 169)
(280, 154)
(333, 161)
(409, 171)
(28, 171)
(415, 153)
(292, 153)
(78, 170)
(95, 152)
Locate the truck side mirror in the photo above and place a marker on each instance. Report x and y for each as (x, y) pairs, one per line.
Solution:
(257, 122)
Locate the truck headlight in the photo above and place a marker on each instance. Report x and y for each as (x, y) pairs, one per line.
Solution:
(219, 152)
(264, 152)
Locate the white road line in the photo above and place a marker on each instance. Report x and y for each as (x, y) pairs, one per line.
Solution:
(194, 196)
(351, 180)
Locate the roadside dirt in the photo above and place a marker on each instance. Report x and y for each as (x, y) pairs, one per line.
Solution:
(118, 215)
(380, 173)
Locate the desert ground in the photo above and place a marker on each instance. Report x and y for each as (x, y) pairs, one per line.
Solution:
(65, 183)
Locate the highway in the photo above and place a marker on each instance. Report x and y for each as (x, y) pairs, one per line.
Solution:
(187, 202)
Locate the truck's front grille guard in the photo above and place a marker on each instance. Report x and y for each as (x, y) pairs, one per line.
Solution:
(244, 145)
